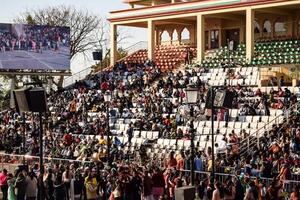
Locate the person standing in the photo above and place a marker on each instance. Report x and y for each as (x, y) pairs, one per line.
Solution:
(130, 133)
(91, 185)
(66, 178)
(147, 187)
(20, 186)
(11, 187)
(59, 188)
(3, 184)
(31, 186)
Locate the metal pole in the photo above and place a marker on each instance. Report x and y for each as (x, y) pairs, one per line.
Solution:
(41, 152)
(108, 135)
(24, 136)
(192, 153)
(212, 129)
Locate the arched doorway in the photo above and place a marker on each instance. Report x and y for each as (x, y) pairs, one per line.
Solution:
(280, 27)
(185, 36)
(267, 28)
(165, 37)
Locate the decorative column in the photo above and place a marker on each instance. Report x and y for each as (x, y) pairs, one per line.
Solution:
(200, 37)
(249, 34)
(113, 44)
(151, 39)
(170, 32)
(179, 36)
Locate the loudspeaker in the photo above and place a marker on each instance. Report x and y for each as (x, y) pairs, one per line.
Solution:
(21, 102)
(185, 193)
(30, 100)
(222, 99)
(97, 55)
(37, 100)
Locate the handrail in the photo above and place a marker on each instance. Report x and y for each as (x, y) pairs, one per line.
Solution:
(77, 76)
(255, 134)
(44, 157)
(133, 48)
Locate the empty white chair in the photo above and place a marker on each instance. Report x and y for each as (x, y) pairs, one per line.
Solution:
(166, 142)
(231, 124)
(180, 143)
(155, 134)
(256, 119)
(144, 134)
(149, 135)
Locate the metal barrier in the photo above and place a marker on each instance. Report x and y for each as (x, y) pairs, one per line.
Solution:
(12, 161)
(288, 185)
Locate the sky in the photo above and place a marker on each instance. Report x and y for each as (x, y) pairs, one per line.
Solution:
(10, 9)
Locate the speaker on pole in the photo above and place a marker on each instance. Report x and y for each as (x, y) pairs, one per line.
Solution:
(223, 99)
(30, 100)
(21, 97)
(97, 55)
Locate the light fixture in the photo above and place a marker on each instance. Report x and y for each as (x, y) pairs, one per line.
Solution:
(107, 96)
(191, 95)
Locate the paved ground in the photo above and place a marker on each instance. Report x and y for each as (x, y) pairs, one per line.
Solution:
(48, 59)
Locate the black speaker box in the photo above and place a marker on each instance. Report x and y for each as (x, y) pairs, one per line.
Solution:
(185, 193)
(97, 55)
(222, 99)
(37, 100)
(30, 100)
(21, 102)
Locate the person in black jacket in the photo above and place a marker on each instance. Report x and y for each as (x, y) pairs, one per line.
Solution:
(20, 185)
(78, 185)
(59, 188)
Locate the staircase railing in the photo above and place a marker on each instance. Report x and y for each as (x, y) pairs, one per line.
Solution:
(77, 77)
(136, 47)
(254, 138)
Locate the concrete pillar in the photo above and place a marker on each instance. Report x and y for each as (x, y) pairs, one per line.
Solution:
(200, 37)
(151, 39)
(12, 87)
(249, 34)
(113, 44)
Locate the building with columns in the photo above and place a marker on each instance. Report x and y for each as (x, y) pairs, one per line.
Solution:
(210, 24)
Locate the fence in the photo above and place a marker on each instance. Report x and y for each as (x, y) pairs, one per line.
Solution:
(288, 185)
(12, 161)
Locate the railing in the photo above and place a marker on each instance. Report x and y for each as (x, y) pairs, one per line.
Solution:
(12, 161)
(77, 77)
(136, 47)
(288, 185)
(253, 139)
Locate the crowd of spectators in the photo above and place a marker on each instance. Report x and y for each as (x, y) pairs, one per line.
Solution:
(34, 38)
(76, 128)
